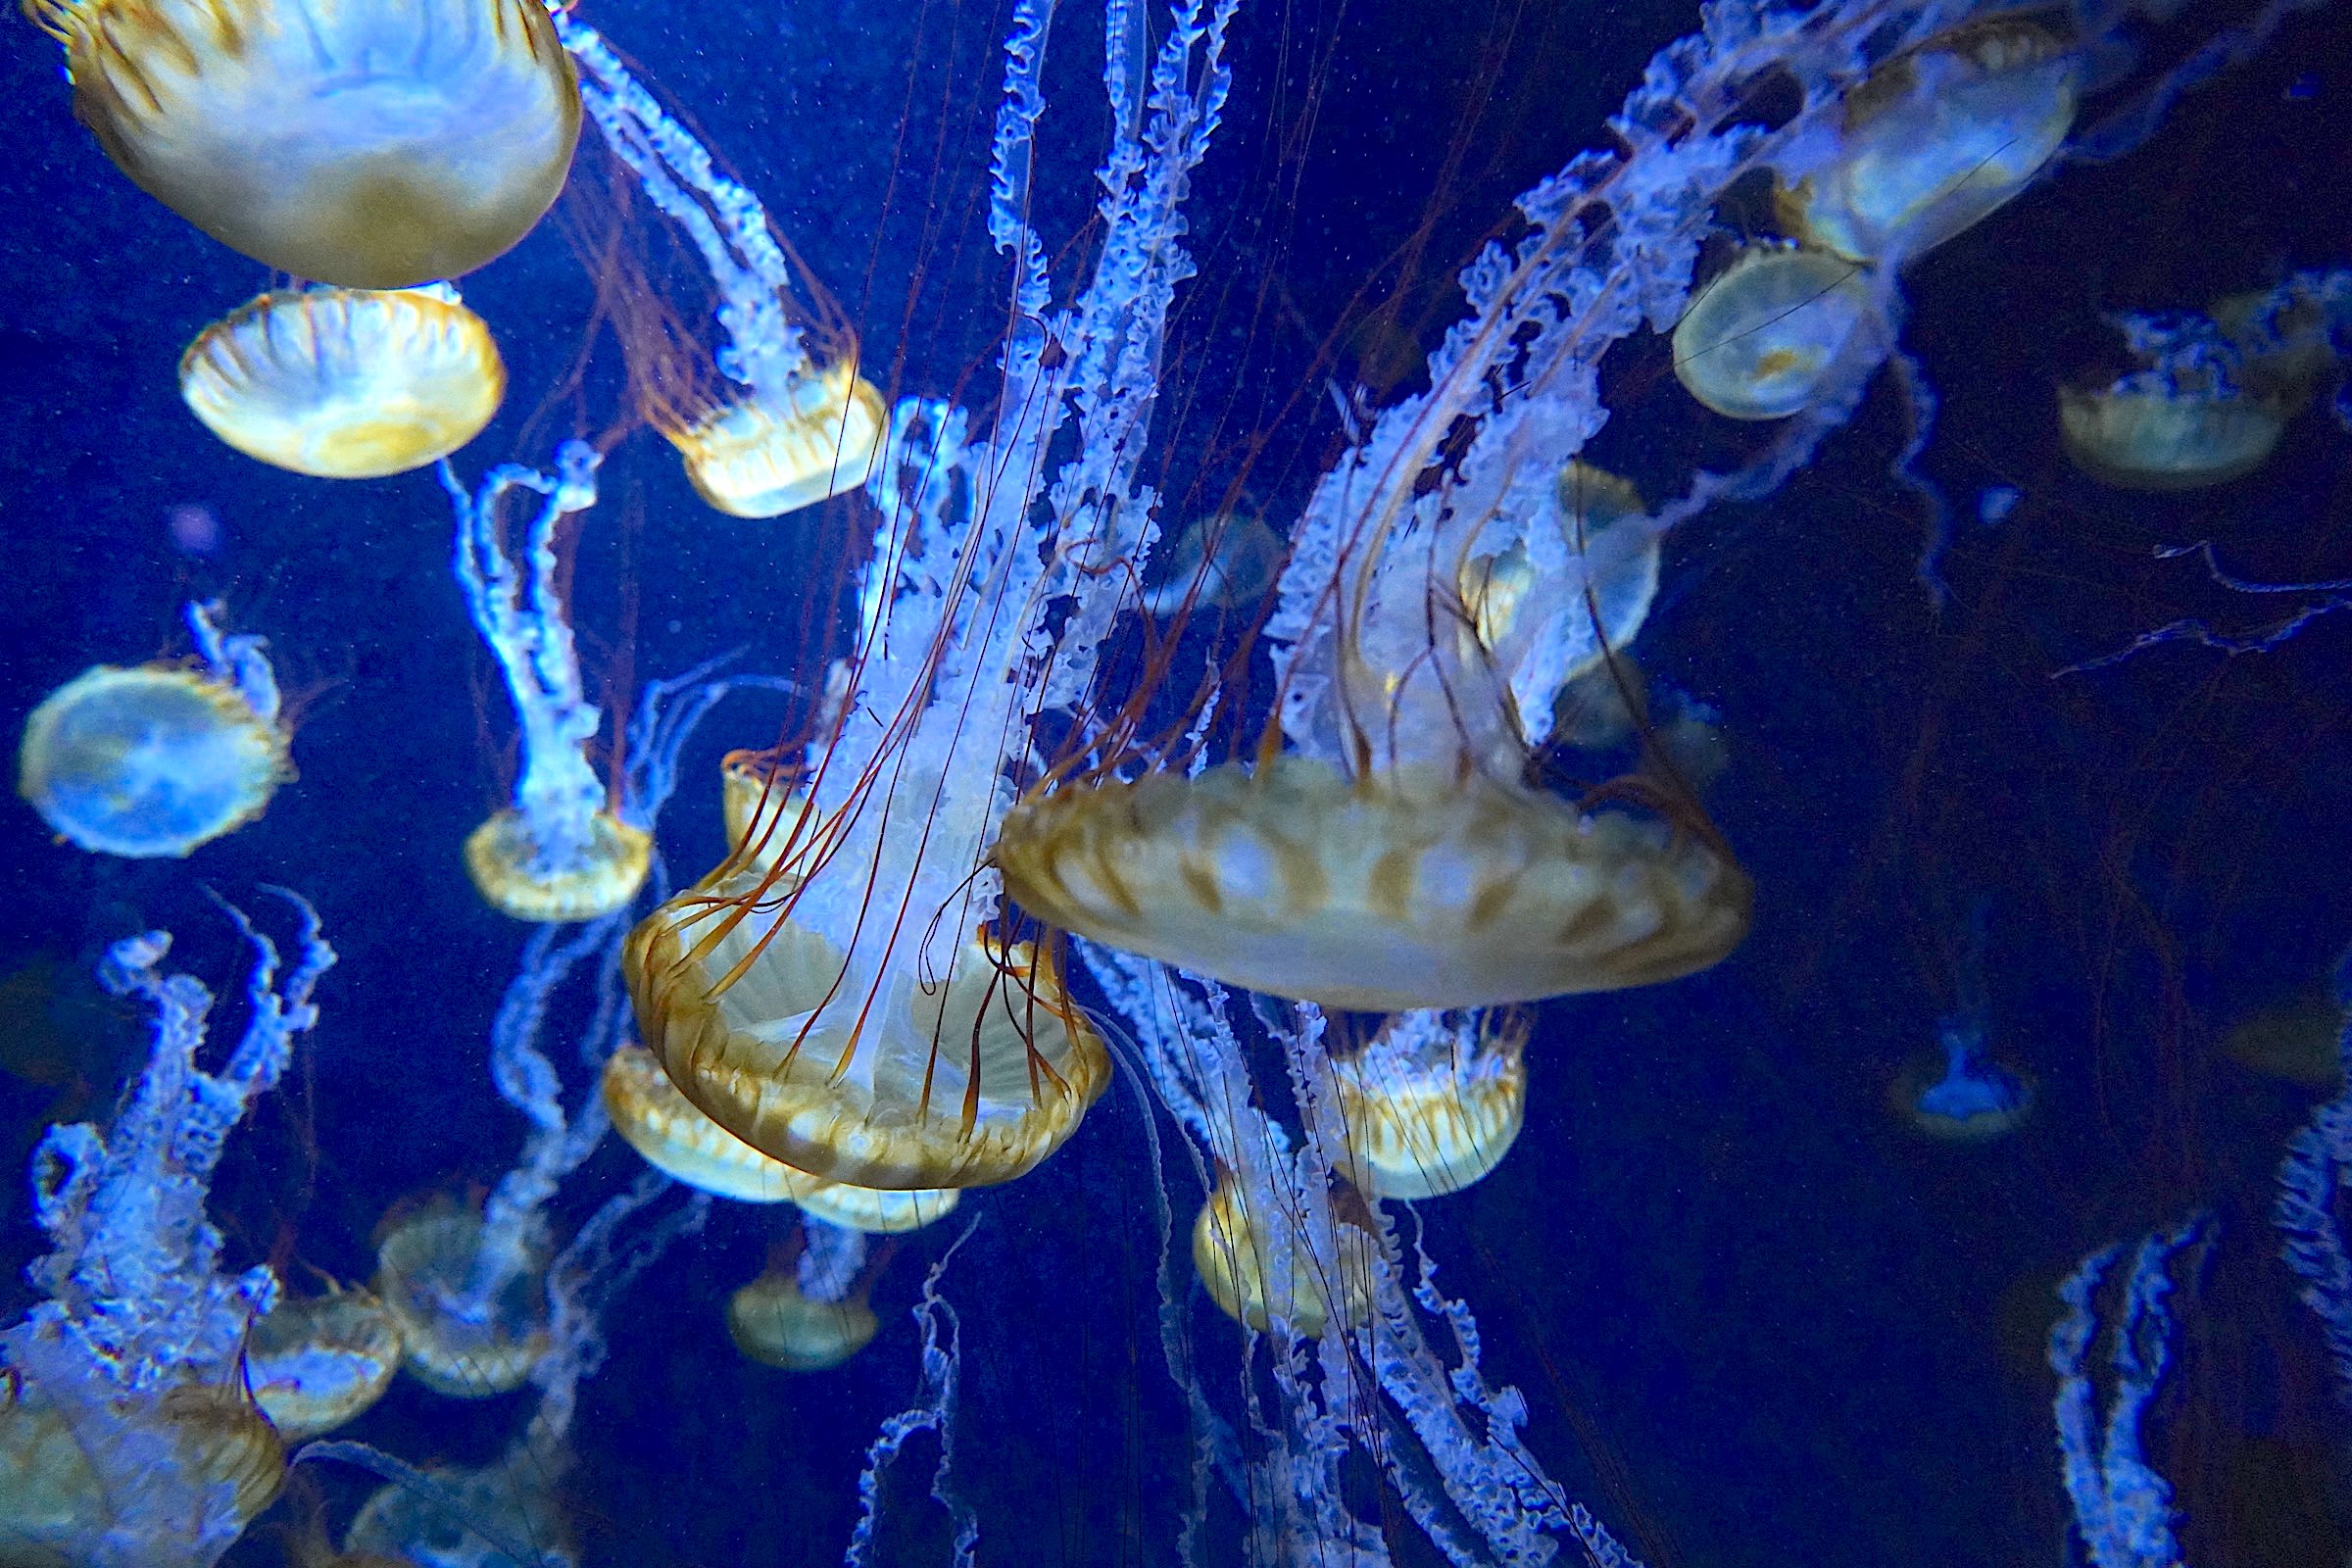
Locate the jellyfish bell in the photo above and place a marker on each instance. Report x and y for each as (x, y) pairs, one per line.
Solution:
(149, 761)
(471, 1518)
(1233, 1252)
(1431, 1104)
(1222, 562)
(1770, 332)
(1957, 1095)
(962, 1080)
(1931, 142)
(314, 1364)
(2138, 434)
(1403, 889)
(344, 383)
(767, 817)
(763, 456)
(518, 873)
(376, 146)
(774, 1323)
(424, 1277)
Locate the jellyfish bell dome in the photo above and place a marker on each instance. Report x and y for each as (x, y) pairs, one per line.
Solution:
(1764, 336)
(1955, 1101)
(1430, 1110)
(964, 1082)
(149, 761)
(1934, 141)
(1233, 1252)
(374, 146)
(317, 1363)
(344, 383)
(763, 455)
(2140, 434)
(764, 814)
(516, 874)
(426, 1263)
(1411, 888)
(772, 1322)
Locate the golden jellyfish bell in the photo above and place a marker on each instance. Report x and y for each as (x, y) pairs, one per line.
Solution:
(345, 383)
(964, 1082)
(773, 1323)
(371, 145)
(1935, 140)
(1431, 1116)
(766, 819)
(1232, 1249)
(225, 1441)
(1413, 888)
(2139, 435)
(1762, 338)
(758, 456)
(149, 761)
(314, 1364)
(515, 876)
(426, 1262)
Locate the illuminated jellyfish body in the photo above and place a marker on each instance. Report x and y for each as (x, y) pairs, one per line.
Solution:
(1959, 1092)
(455, 1339)
(375, 146)
(811, 1316)
(1257, 1274)
(345, 383)
(126, 1436)
(317, 1364)
(1221, 563)
(1433, 1103)
(788, 421)
(1931, 142)
(559, 853)
(1770, 331)
(160, 759)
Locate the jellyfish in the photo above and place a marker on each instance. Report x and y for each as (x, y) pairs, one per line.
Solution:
(1222, 562)
(1256, 1279)
(159, 759)
(1768, 333)
(346, 383)
(811, 1316)
(787, 422)
(764, 814)
(1933, 143)
(1433, 1103)
(455, 1339)
(1958, 1093)
(559, 852)
(317, 1364)
(371, 147)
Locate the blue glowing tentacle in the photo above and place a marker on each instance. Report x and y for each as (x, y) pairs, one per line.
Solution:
(235, 657)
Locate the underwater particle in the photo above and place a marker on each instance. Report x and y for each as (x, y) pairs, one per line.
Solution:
(371, 146)
(149, 761)
(1233, 1251)
(1221, 563)
(1957, 1092)
(427, 1264)
(513, 872)
(1994, 504)
(1431, 1106)
(195, 530)
(774, 1323)
(963, 1083)
(2138, 435)
(317, 1364)
(757, 457)
(1763, 336)
(345, 383)
(1411, 888)
(1933, 143)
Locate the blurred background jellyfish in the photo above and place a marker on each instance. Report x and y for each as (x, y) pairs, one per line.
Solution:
(379, 146)
(314, 1363)
(1958, 1092)
(809, 1312)
(1763, 338)
(1258, 1270)
(1224, 561)
(786, 420)
(343, 383)
(159, 759)
(1433, 1101)
(126, 1437)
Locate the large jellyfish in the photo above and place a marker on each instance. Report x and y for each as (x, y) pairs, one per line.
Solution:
(160, 759)
(376, 146)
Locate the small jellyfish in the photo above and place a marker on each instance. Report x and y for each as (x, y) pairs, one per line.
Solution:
(1958, 1093)
(1259, 1266)
(506, 1515)
(1221, 563)
(425, 1267)
(763, 456)
(157, 759)
(1934, 141)
(376, 146)
(345, 383)
(1766, 334)
(1433, 1104)
(2296, 1039)
(2142, 434)
(316, 1365)
(813, 1314)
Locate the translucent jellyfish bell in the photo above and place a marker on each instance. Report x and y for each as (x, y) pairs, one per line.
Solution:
(317, 1364)
(425, 1268)
(2142, 435)
(1234, 1247)
(1410, 887)
(762, 455)
(1958, 1093)
(1934, 141)
(773, 1322)
(345, 383)
(1761, 340)
(1431, 1104)
(157, 759)
(515, 874)
(764, 814)
(375, 146)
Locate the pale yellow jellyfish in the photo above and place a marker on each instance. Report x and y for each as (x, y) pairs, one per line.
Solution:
(157, 759)
(1234, 1248)
(1767, 334)
(375, 146)
(678, 1140)
(2142, 435)
(1934, 141)
(345, 383)
(761, 457)
(767, 819)
(507, 862)
(425, 1276)
(774, 1323)
(317, 1364)
(1431, 1104)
